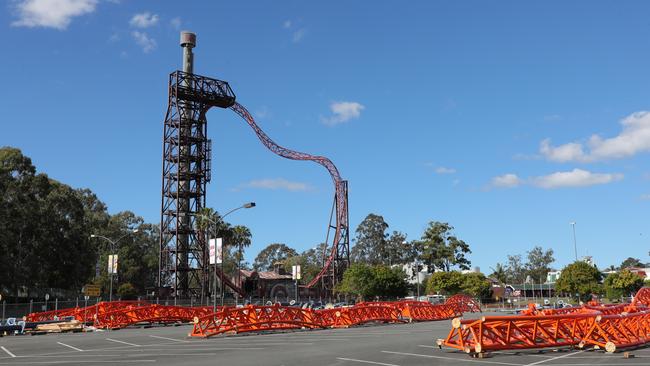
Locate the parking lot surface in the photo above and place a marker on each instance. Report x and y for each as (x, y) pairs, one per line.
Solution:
(388, 345)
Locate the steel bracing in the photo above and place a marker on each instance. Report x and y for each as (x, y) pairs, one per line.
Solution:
(185, 172)
(339, 256)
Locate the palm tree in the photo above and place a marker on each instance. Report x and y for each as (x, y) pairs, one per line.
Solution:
(499, 273)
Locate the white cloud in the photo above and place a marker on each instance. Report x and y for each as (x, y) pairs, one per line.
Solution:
(645, 197)
(574, 178)
(143, 40)
(343, 112)
(51, 13)
(445, 170)
(144, 20)
(568, 179)
(298, 35)
(176, 23)
(568, 152)
(277, 184)
(286, 24)
(506, 181)
(633, 139)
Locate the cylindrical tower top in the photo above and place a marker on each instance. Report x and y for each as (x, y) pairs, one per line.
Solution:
(188, 39)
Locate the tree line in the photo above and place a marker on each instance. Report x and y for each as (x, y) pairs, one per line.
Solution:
(376, 254)
(46, 242)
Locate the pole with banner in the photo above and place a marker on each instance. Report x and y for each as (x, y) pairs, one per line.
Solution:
(213, 261)
(220, 261)
(112, 269)
(295, 274)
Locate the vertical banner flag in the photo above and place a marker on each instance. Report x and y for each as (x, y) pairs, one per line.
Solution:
(213, 251)
(219, 250)
(295, 272)
(112, 263)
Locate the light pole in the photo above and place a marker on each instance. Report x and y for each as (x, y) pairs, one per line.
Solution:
(575, 246)
(113, 245)
(216, 233)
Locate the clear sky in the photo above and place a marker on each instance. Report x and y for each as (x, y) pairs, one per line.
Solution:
(506, 119)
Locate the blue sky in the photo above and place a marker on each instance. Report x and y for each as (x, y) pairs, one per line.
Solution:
(508, 119)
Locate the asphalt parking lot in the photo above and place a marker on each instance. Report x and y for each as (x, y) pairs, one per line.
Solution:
(388, 345)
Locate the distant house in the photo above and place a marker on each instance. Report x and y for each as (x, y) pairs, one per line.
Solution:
(412, 274)
(641, 272)
(267, 284)
(552, 276)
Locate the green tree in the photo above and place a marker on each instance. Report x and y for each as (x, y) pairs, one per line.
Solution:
(127, 291)
(45, 233)
(539, 262)
(631, 262)
(623, 283)
(371, 245)
(499, 273)
(357, 281)
(476, 285)
(581, 279)
(276, 253)
(311, 261)
(446, 283)
(397, 249)
(515, 269)
(389, 282)
(368, 282)
(443, 250)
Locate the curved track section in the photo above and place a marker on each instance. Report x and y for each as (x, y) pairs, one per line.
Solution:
(340, 250)
(603, 326)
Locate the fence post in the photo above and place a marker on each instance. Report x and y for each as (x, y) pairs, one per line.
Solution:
(56, 304)
(31, 305)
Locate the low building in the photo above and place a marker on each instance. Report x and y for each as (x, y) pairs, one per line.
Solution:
(272, 285)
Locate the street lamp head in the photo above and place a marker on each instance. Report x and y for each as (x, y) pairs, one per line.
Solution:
(93, 235)
(249, 205)
(135, 230)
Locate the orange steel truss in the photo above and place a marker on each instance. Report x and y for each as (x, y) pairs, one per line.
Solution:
(149, 314)
(254, 318)
(84, 314)
(265, 318)
(517, 332)
(120, 314)
(609, 327)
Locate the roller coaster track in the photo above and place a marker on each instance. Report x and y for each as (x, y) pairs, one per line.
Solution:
(609, 327)
(338, 258)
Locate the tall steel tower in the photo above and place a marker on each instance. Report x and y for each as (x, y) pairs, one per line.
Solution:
(186, 166)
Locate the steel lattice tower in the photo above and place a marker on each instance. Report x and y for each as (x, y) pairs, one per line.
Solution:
(186, 169)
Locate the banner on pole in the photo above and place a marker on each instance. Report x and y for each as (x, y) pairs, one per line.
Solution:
(213, 251)
(219, 250)
(295, 272)
(112, 263)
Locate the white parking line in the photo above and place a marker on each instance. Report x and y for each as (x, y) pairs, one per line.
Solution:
(127, 343)
(69, 346)
(453, 359)
(554, 358)
(170, 339)
(364, 361)
(8, 352)
(76, 361)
